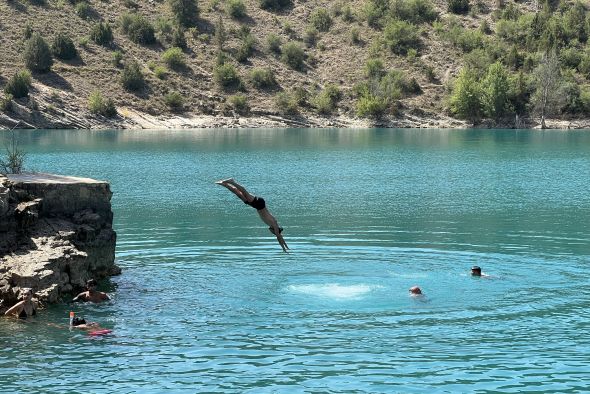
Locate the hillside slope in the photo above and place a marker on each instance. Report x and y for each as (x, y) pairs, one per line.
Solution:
(338, 58)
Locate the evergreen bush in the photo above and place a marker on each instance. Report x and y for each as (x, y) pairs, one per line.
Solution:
(274, 4)
(466, 96)
(160, 72)
(293, 56)
(185, 11)
(18, 85)
(117, 57)
(174, 101)
(311, 36)
(37, 54)
(178, 39)
(174, 58)
(325, 102)
(101, 106)
(226, 75)
(495, 88)
(63, 47)
(6, 102)
(399, 36)
(102, 34)
(239, 103)
(28, 31)
(138, 28)
(413, 11)
(320, 19)
(371, 106)
(273, 43)
(83, 10)
(285, 103)
(246, 48)
(458, 6)
(263, 78)
(132, 77)
(236, 9)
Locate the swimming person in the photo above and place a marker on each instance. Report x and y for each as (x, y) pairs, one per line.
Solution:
(415, 291)
(259, 204)
(92, 294)
(25, 308)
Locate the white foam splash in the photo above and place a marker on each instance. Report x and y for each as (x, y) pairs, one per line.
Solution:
(334, 290)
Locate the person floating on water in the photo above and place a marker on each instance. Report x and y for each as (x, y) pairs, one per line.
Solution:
(24, 308)
(91, 294)
(259, 204)
(93, 328)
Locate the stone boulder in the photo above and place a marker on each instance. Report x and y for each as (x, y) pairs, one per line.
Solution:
(55, 233)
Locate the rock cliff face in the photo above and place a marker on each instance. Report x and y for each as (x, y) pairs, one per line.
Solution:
(55, 233)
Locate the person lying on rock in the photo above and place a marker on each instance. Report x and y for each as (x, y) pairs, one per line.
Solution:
(25, 308)
(91, 294)
(259, 204)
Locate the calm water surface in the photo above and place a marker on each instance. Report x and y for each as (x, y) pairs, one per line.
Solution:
(207, 302)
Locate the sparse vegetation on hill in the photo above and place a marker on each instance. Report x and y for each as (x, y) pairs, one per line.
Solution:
(483, 60)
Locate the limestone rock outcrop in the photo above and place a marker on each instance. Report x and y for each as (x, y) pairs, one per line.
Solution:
(55, 233)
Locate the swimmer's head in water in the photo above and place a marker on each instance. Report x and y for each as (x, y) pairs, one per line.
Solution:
(26, 292)
(272, 230)
(415, 290)
(475, 271)
(90, 283)
(77, 321)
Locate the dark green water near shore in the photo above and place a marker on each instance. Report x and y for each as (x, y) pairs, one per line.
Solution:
(207, 302)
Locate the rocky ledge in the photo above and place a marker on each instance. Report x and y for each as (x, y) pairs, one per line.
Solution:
(55, 233)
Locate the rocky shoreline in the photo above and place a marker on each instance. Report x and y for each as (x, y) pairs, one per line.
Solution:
(55, 233)
(45, 114)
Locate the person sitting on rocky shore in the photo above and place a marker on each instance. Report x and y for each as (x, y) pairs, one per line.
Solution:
(25, 308)
(91, 294)
(259, 204)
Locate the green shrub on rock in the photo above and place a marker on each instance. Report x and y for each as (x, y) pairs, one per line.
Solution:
(320, 19)
(83, 10)
(138, 29)
(246, 48)
(174, 58)
(37, 54)
(263, 78)
(6, 102)
(178, 39)
(174, 101)
(400, 36)
(98, 105)
(458, 6)
(102, 34)
(117, 57)
(274, 4)
(285, 103)
(371, 106)
(226, 75)
(239, 103)
(236, 9)
(63, 47)
(160, 72)
(413, 11)
(132, 77)
(185, 11)
(273, 43)
(325, 102)
(293, 56)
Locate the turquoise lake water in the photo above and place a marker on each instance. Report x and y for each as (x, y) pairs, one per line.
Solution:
(208, 302)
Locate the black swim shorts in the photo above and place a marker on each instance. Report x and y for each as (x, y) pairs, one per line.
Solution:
(258, 203)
